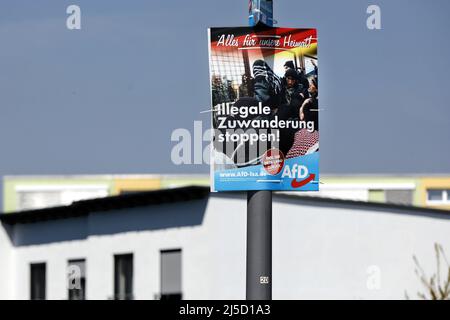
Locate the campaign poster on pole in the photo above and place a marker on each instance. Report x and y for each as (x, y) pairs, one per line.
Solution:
(265, 107)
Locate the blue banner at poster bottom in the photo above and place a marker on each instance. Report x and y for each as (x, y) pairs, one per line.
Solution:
(298, 174)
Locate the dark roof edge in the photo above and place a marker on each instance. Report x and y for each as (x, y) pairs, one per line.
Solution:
(376, 205)
(84, 207)
(163, 196)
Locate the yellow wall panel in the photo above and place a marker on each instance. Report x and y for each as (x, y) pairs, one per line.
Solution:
(129, 185)
(433, 183)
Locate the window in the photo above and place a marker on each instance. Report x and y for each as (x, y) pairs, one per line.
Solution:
(228, 64)
(37, 200)
(123, 277)
(131, 191)
(171, 275)
(404, 197)
(37, 197)
(37, 281)
(438, 196)
(77, 279)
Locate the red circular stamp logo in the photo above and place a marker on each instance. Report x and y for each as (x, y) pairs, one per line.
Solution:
(273, 161)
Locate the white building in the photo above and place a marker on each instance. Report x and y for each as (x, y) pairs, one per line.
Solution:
(190, 243)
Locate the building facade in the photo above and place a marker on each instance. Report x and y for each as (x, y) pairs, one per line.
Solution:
(33, 192)
(187, 243)
(36, 192)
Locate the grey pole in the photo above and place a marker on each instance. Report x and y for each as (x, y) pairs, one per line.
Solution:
(259, 245)
(259, 219)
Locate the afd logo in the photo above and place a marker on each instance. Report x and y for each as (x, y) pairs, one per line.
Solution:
(299, 174)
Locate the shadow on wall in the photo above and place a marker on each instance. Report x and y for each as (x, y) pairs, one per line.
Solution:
(152, 217)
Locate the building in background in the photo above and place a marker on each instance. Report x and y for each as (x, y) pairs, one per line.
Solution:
(188, 243)
(36, 192)
(33, 192)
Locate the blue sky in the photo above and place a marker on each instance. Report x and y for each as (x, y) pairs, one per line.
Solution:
(106, 98)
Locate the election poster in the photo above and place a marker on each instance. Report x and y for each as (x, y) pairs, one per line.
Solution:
(265, 109)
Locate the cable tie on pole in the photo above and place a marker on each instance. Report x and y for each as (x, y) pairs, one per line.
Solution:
(209, 110)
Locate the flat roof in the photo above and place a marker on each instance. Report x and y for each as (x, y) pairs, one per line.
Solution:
(106, 176)
(123, 201)
(206, 175)
(182, 194)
